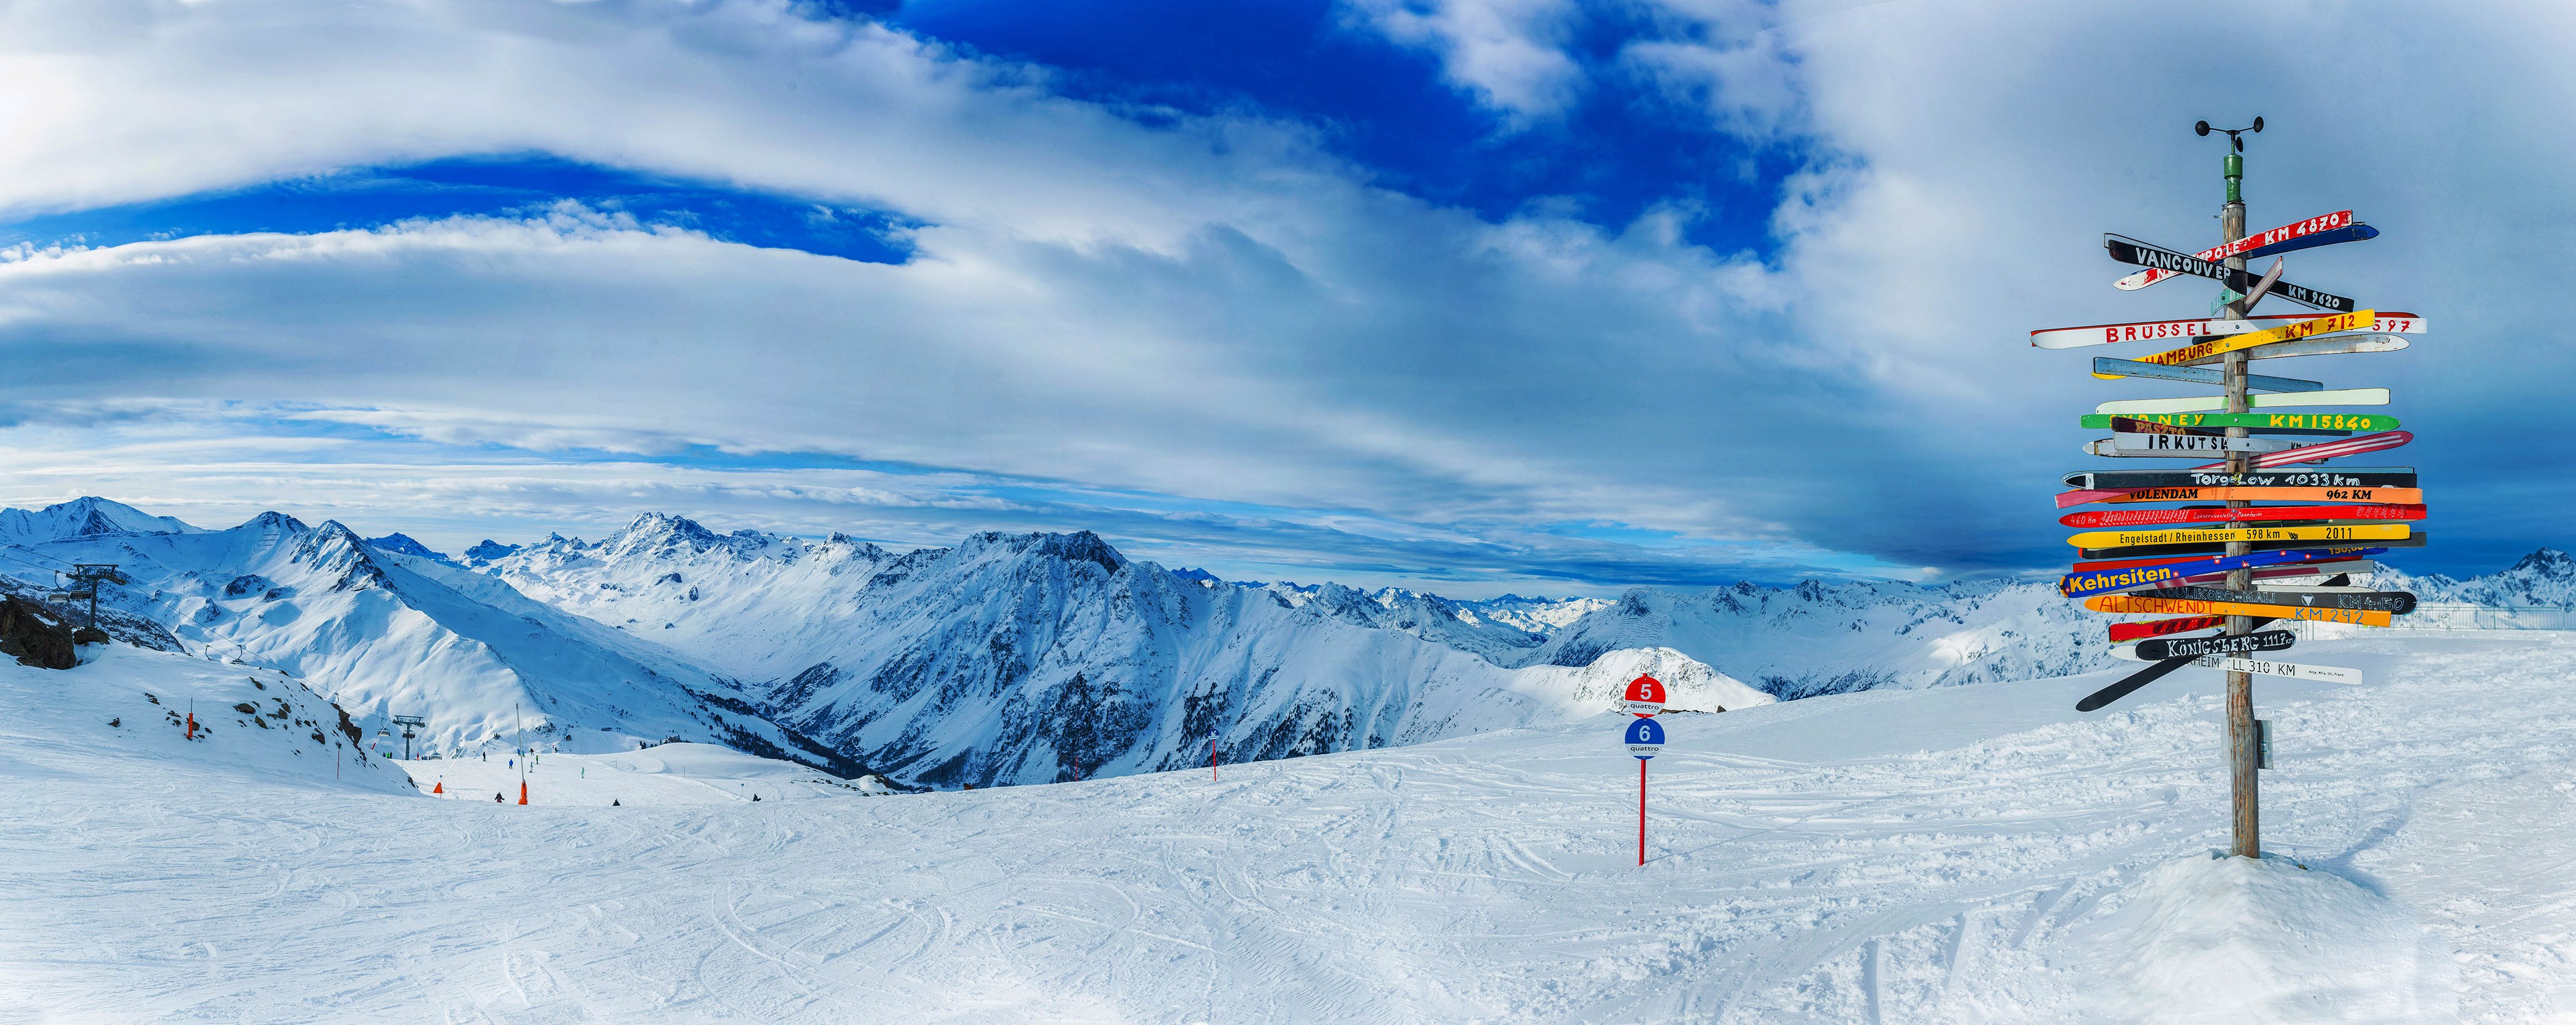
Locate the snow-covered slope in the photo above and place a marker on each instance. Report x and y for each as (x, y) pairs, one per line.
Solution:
(82, 517)
(387, 633)
(1973, 855)
(254, 726)
(1032, 658)
(1818, 638)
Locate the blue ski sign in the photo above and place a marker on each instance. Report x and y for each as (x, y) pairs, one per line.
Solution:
(1645, 737)
(2130, 578)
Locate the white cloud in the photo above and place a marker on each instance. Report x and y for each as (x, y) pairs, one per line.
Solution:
(1221, 311)
(1509, 53)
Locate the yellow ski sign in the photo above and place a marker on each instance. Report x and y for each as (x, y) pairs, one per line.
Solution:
(2354, 321)
(2126, 538)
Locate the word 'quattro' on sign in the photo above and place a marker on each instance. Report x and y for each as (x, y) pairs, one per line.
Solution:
(2391, 322)
(2127, 603)
(2115, 538)
(2221, 421)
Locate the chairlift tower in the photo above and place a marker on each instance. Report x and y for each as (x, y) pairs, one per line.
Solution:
(409, 723)
(86, 577)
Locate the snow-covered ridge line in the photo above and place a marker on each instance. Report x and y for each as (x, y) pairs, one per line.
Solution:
(1023, 658)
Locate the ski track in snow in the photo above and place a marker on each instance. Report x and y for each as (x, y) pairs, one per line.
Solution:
(1942, 855)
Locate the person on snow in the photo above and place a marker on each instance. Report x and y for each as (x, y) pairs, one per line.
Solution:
(496, 798)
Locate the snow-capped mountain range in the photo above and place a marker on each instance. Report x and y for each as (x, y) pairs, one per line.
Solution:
(385, 633)
(1020, 658)
(1014, 658)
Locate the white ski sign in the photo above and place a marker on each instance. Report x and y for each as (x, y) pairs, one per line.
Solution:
(2193, 444)
(2159, 330)
(2264, 667)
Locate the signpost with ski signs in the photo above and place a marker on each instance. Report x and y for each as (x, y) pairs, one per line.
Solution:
(2197, 567)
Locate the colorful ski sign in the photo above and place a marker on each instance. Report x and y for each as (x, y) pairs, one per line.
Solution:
(2145, 628)
(2129, 250)
(2193, 536)
(2284, 572)
(2148, 517)
(2329, 397)
(1645, 696)
(2322, 345)
(2104, 579)
(2252, 339)
(2125, 603)
(2110, 369)
(2266, 667)
(2275, 241)
(2154, 672)
(2178, 551)
(2198, 647)
(1644, 737)
(2395, 603)
(2217, 476)
(2295, 421)
(2391, 496)
(2216, 563)
(2391, 321)
(2170, 445)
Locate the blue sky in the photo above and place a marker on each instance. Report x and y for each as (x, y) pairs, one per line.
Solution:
(1468, 295)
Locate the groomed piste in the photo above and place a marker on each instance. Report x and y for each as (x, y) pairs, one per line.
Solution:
(1964, 854)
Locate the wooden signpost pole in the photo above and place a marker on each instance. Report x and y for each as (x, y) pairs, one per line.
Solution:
(2242, 742)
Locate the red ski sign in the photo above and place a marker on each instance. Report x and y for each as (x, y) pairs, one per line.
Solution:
(1645, 696)
(2240, 247)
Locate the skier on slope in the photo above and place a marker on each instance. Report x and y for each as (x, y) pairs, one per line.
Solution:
(496, 798)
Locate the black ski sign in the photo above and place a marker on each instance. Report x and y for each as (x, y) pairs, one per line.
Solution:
(2127, 250)
(2359, 477)
(2158, 649)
